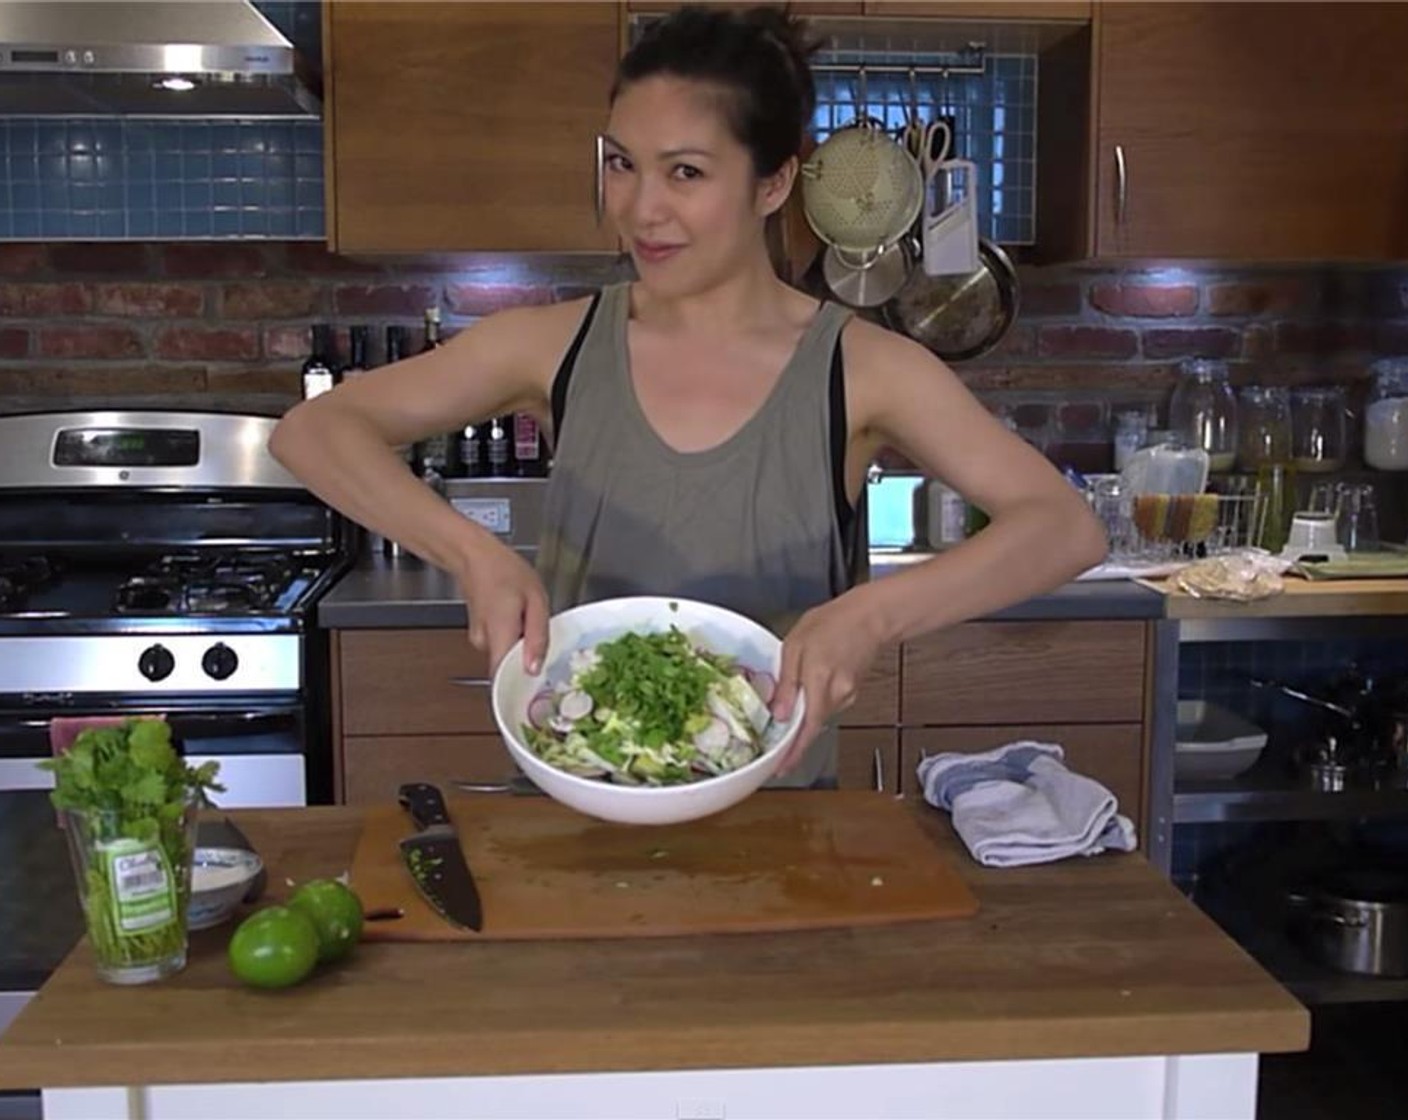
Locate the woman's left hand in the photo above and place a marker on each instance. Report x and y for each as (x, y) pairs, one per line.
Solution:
(824, 656)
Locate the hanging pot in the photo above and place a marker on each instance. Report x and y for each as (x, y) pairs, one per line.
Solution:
(868, 282)
(963, 316)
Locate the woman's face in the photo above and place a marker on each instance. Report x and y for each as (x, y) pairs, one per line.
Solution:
(681, 189)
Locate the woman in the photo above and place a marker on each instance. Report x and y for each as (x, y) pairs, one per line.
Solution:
(712, 425)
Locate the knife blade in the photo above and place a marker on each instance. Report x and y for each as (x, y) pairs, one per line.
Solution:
(435, 861)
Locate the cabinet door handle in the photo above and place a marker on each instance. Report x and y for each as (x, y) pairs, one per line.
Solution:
(599, 180)
(877, 767)
(471, 682)
(1121, 184)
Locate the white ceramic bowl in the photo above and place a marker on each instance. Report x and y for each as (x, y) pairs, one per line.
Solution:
(220, 879)
(714, 627)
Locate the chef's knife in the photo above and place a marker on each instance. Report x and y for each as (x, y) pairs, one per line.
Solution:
(435, 860)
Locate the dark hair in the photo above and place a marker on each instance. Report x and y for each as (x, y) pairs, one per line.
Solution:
(758, 58)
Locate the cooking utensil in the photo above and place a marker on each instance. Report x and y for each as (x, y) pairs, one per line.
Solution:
(959, 317)
(861, 191)
(868, 284)
(434, 859)
(1355, 920)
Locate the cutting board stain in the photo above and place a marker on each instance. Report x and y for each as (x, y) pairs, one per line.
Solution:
(780, 860)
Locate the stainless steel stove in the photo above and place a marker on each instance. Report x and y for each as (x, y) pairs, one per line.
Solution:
(165, 562)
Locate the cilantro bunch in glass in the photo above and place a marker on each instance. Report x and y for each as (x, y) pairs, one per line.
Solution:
(129, 800)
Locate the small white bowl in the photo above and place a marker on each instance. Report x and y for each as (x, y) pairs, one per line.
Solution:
(220, 879)
(716, 628)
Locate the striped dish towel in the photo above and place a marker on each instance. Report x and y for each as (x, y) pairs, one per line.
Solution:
(1018, 804)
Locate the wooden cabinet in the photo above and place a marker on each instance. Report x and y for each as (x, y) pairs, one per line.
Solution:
(878, 697)
(868, 759)
(1018, 672)
(978, 9)
(1251, 131)
(413, 682)
(801, 8)
(466, 126)
(414, 704)
(375, 766)
(1111, 754)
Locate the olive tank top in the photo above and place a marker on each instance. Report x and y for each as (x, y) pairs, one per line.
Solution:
(759, 524)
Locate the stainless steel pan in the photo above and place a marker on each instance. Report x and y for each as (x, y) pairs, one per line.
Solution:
(959, 317)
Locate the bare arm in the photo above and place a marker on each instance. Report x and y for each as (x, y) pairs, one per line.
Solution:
(342, 446)
(1042, 532)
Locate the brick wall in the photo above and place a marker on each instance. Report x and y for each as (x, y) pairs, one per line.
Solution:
(188, 323)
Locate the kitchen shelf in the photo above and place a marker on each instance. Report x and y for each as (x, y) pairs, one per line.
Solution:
(1310, 982)
(1261, 795)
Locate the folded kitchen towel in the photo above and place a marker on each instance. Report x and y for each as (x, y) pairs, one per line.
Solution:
(1018, 804)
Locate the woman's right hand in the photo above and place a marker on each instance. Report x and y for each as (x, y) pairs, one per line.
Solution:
(506, 601)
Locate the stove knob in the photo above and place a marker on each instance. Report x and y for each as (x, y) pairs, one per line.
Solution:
(156, 663)
(219, 661)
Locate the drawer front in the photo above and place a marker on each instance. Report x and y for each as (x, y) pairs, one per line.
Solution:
(375, 766)
(878, 697)
(1111, 754)
(413, 682)
(1025, 672)
(868, 758)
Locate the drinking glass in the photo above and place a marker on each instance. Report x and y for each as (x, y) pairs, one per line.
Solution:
(134, 885)
(1358, 518)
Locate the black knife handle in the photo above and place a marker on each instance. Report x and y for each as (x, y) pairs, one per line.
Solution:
(425, 804)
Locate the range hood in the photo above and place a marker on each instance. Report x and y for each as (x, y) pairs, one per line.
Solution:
(169, 58)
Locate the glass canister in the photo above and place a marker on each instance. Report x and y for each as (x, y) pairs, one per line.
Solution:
(1386, 416)
(1203, 411)
(1319, 429)
(1263, 426)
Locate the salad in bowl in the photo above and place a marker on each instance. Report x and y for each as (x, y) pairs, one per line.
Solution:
(649, 710)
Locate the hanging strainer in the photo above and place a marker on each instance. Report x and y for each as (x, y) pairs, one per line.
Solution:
(861, 191)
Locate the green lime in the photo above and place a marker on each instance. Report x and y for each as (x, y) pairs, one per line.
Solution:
(336, 913)
(274, 948)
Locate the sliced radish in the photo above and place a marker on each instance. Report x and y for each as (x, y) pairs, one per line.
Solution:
(575, 705)
(764, 684)
(541, 709)
(713, 738)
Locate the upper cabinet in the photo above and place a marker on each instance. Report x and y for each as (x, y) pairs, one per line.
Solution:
(1262, 132)
(466, 126)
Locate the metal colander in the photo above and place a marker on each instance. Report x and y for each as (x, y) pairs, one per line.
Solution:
(861, 191)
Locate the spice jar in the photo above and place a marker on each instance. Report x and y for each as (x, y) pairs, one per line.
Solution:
(1203, 411)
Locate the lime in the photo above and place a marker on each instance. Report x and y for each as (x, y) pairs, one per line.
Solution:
(336, 913)
(274, 948)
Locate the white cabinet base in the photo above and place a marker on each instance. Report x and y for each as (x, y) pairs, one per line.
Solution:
(1197, 1087)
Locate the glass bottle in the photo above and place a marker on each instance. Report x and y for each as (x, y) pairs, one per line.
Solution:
(357, 365)
(1203, 411)
(319, 373)
(1386, 416)
(1131, 429)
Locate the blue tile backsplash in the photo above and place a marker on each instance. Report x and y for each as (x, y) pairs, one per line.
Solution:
(86, 178)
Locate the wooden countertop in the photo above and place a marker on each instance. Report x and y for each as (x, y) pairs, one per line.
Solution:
(1087, 957)
(1301, 599)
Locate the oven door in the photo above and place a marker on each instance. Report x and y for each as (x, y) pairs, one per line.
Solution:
(260, 746)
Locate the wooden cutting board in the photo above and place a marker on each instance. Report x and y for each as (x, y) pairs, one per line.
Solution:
(779, 860)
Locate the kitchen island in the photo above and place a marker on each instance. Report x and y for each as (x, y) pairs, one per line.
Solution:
(1084, 989)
